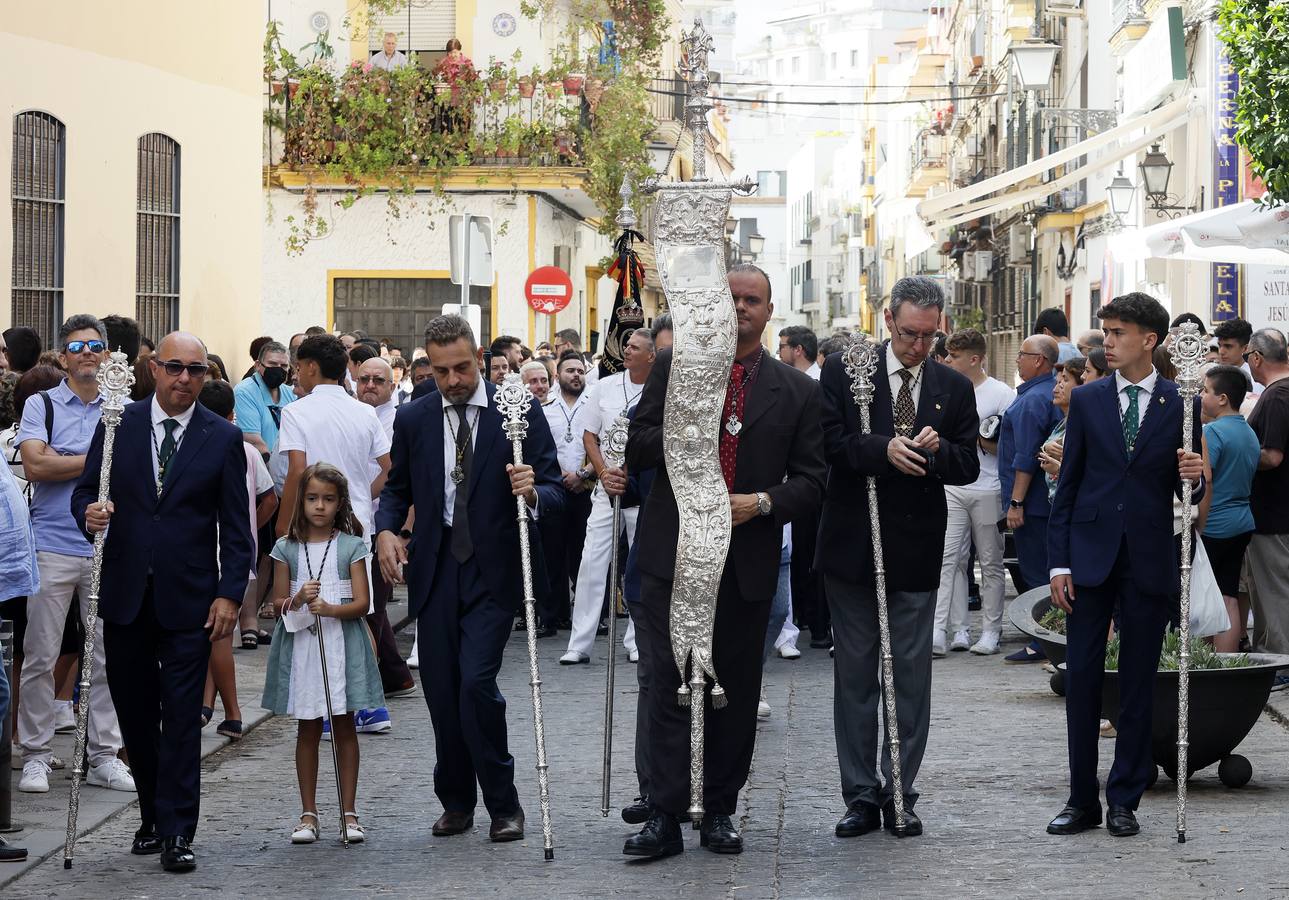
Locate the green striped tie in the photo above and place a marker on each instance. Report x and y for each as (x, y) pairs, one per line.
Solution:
(1131, 418)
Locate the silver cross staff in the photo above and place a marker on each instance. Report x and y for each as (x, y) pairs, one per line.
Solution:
(114, 381)
(513, 402)
(860, 358)
(615, 454)
(1187, 352)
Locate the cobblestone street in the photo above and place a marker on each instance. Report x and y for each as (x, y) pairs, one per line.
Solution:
(993, 776)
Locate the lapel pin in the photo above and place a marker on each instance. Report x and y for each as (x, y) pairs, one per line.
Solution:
(1161, 401)
(937, 406)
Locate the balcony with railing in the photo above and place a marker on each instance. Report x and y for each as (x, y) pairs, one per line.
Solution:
(927, 163)
(1128, 23)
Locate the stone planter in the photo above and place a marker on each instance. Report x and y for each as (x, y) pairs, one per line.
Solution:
(1024, 612)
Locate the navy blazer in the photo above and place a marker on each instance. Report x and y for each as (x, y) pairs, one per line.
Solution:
(194, 540)
(1103, 495)
(416, 479)
(912, 507)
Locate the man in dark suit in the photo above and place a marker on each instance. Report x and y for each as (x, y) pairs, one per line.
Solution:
(1110, 545)
(776, 477)
(452, 461)
(922, 437)
(175, 567)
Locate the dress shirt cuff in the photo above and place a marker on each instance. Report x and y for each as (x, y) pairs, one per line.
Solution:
(1056, 572)
(535, 511)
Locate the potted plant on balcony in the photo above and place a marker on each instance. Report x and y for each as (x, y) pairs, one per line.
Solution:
(496, 76)
(528, 83)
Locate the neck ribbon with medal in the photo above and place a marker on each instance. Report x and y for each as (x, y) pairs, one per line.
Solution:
(733, 425)
(322, 567)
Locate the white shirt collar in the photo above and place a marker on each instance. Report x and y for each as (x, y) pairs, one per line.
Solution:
(159, 414)
(893, 364)
(1147, 384)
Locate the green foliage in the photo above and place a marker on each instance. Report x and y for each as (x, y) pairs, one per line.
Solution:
(1202, 655)
(1053, 620)
(1256, 35)
(971, 318)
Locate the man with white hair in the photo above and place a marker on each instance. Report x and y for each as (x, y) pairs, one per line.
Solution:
(537, 378)
(390, 57)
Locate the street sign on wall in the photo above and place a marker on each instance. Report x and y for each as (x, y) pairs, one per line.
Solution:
(548, 289)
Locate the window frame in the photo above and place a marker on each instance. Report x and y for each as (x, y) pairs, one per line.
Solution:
(47, 231)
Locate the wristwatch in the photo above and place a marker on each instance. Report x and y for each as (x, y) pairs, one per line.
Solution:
(1016, 504)
(763, 503)
(405, 534)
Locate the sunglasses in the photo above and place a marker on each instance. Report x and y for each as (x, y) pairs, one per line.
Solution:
(175, 368)
(1249, 353)
(75, 347)
(371, 379)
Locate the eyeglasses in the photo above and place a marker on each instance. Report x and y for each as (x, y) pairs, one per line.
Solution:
(914, 337)
(1027, 353)
(1249, 353)
(371, 379)
(174, 368)
(74, 347)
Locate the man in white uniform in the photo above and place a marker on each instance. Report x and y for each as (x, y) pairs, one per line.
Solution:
(974, 511)
(606, 400)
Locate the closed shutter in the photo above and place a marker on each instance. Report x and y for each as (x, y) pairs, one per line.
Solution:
(424, 26)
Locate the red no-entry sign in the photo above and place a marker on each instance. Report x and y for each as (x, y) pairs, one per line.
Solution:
(548, 289)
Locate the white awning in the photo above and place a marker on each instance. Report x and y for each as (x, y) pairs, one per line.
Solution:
(1240, 233)
(1124, 140)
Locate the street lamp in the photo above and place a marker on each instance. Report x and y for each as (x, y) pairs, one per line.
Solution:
(755, 245)
(1120, 193)
(660, 153)
(731, 226)
(1156, 170)
(1034, 59)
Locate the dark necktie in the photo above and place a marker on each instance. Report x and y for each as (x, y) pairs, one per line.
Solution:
(167, 449)
(462, 546)
(905, 412)
(1131, 418)
(276, 413)
(732, 424)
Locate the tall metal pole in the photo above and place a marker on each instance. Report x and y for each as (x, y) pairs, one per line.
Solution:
(114, 380)
(861, 365)
(465, 265)
(1188, 355)
(615, 451)
(513, 402)
(331, 717)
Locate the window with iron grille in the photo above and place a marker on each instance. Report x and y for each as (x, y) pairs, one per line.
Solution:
(39, 151)
(156, 302)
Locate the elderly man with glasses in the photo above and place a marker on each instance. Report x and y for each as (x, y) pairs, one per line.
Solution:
(57, 427)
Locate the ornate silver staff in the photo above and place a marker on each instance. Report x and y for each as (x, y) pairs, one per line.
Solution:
(1188, 355)
(114, 382)
(615, 451)
(689, 241)
(331, 717)
(860, 358)
(513, 402)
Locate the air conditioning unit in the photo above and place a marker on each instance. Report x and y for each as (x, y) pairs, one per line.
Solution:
(977, 265)
(932, 262)
(1020, 239)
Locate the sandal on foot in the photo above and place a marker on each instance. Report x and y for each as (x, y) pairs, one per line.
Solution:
(264, 637)
(207, 713)
(353, 830)
(250, 640)
(230, 728)
(305, 832)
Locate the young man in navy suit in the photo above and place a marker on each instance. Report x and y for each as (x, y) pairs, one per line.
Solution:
(175, 567)
(1111, 549)
(451, 460)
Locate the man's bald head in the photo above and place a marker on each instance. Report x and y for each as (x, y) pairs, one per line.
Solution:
(1047, 346)
(178, 351)
(1038, 354)
(375, 382)
(177, 341)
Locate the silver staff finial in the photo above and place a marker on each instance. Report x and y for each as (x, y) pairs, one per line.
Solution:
(626, 218)
(698, 44)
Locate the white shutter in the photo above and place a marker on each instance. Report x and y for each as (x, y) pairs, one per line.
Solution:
(432, 23)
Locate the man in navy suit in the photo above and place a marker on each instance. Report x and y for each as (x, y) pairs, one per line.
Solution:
(175, 567)
(1110, 544)
(451, 460)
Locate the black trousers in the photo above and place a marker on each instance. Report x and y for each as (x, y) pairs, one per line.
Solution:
(462, 633)
(563, 536)
(730, 733)
(157, 677)
(394, 673)
(646, 640)
(1142, 618)
(809, 607)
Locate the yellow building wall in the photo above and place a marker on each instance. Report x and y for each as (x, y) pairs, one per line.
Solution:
(112, 72)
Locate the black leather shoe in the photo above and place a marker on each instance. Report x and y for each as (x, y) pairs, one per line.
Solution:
(10, 853)
(637, 813)
(507, 828)
(660, 837)
(912, 824)
(146, 841)
(821, 641)
(545, 631)
(1073, 820)
(451, 823)
(859, 819)
(718, 834)
(602, 629)
(177, 855)
(1120, 821)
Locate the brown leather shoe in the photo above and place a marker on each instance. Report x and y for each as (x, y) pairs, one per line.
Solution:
(508, 828)
(451, 823)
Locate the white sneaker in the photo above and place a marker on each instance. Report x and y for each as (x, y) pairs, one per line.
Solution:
(35, 777)
(634, 656)
(937, 645)
(414, 658)
(987, 645)
(789, 651)
(64, 717)
(113, 775)
(573, 657)
(961, 640)
(762, 708)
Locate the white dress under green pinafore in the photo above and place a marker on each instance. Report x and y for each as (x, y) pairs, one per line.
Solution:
(294, 683)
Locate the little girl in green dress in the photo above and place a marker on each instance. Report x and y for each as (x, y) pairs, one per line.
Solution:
(320, 582)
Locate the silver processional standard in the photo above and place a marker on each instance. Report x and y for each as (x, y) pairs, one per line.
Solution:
(114, 381)
(689, 239)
